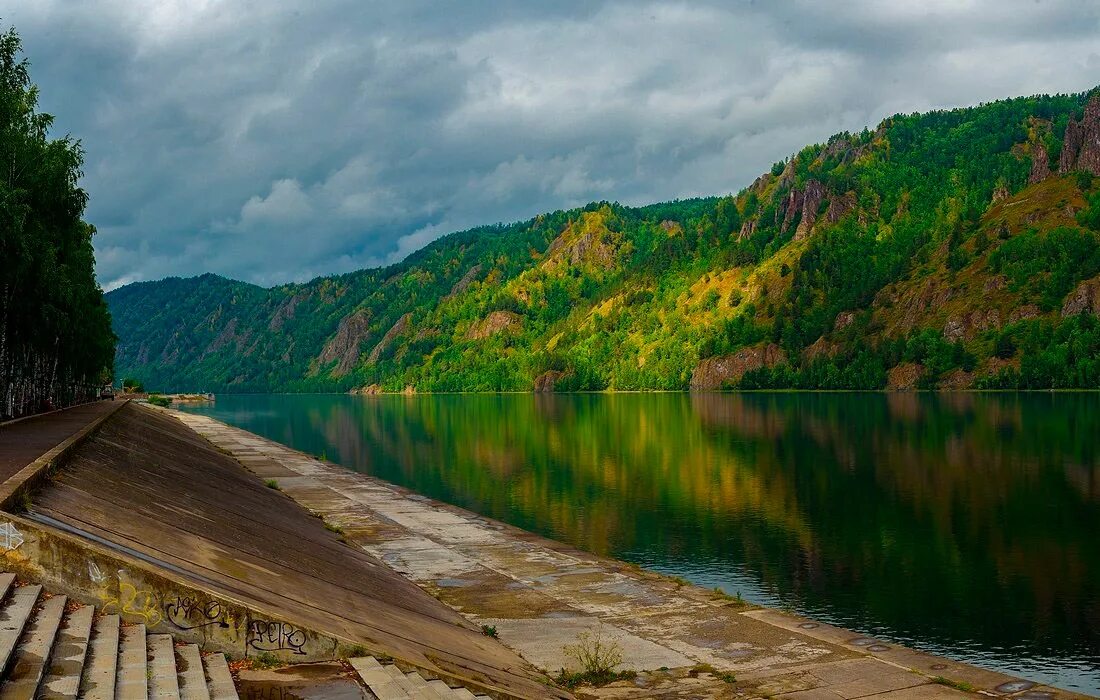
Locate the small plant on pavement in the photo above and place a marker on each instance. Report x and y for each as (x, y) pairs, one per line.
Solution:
(597, 657)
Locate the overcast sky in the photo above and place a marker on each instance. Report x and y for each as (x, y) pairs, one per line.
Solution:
(274, 140)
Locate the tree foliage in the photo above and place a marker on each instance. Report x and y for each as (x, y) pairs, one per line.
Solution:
(56, 341)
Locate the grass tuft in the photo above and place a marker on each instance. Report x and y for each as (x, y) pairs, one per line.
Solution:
(957, 685)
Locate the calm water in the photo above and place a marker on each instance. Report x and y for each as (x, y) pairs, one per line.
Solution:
(967, 525)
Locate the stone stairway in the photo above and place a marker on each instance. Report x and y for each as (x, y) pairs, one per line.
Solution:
(52, 650)
(388, 682)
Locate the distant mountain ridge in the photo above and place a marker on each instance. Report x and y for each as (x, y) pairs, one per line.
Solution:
(953, 249)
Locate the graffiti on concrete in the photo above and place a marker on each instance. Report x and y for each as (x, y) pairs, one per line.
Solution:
(98, 577)
(10, 538)
(264, 635)
(141, 604)
(189, 613)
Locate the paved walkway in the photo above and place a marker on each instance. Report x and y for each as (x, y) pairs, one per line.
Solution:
(23, 441)
(541, 596)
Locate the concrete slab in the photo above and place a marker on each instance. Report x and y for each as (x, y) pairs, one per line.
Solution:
(33, 652)
(132, 681)
(69, 656)
(101, 676)
(192, 681)
(219, 680)
(322, 680)
(163, 683)
(544, 642)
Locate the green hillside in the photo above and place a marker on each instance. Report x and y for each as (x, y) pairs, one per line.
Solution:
(951, 249)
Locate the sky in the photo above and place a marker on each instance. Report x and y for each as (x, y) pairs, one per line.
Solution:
(276, 140)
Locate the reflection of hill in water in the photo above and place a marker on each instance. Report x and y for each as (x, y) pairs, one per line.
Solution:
(955, 517)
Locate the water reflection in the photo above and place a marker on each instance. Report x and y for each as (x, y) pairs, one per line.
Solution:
(965, 524)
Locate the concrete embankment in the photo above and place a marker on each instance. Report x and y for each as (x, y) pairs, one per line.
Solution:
(541, 596)
(150, 522)
(181, 530)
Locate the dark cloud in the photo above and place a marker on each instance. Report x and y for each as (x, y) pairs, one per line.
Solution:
(275, 141)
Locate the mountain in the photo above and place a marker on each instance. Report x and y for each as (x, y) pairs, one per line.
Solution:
(951, 249)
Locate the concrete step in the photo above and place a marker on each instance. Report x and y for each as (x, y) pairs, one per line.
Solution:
(422, 688)
(132, 681)
(101, 667)
(398, 677)
(444, 691)
(70, 652)
(162, 667)
(219, 680)
(388, 682)
(377, 679)
(6, 581)
(13, 618)
(192, 680)
(28, 663)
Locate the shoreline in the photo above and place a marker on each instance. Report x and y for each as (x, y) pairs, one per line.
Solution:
(690, 392)
(525, 585)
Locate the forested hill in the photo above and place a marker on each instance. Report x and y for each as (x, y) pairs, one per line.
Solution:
(56, 343)
(950, 249)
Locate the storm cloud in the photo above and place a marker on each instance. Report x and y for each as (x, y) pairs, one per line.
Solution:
(274, 140)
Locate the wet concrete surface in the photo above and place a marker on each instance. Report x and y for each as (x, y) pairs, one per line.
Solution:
(323, 681)
(150, 487)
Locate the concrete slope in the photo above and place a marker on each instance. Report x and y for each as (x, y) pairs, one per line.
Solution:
(153, 489)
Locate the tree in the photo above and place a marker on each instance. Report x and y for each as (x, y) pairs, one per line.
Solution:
(55, 331)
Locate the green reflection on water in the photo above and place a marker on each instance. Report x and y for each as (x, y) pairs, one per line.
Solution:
(965, 524)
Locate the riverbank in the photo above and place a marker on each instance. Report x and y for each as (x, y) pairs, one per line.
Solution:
(539, 596)
(147, 525)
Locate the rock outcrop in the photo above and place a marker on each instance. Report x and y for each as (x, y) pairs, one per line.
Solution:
(1023, 313)
(843, 320)
(285, 312)
(545, 382)
(792, 208)
(583, 242)
(463, 284)
(1084, 299)
(956, 380)
(811, 203)
(970, 324)
(904, 377)
(344, 346)
(820, 348)
(395, 330)
(496, 322)
(672, 228)
(748, 227)
(841, 206)
(1040, 163)
(726, 370)
(1081, 143)
(369, 390)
